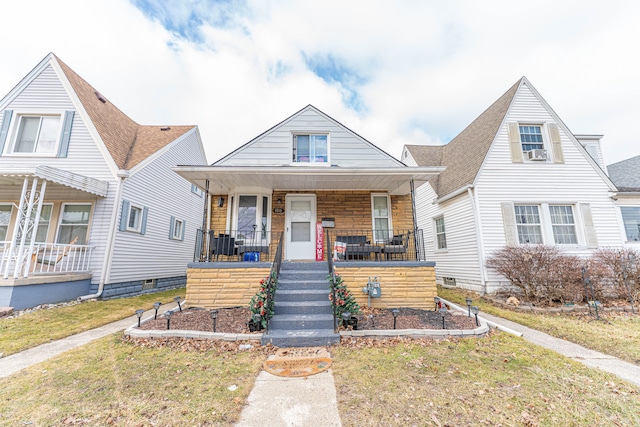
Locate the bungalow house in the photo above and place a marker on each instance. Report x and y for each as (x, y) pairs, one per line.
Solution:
(516, 175)
(317, 189)
(82, 212)
(626, 176)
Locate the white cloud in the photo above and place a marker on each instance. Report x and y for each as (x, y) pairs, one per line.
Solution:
(429, 67)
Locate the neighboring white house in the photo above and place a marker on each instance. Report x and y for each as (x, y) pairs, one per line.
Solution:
(626, 176)
(515, 175)
(88, 201)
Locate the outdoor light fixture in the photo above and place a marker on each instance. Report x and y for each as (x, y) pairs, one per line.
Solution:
(220, 202)
(345, 318)
(168, 314)
(443, 312)
(469, 301)
(436, 300)
(475, 311)
(214, 316)
(373, 325)
(395, 312)
(177, 300)
(156, 305)
(139, 314)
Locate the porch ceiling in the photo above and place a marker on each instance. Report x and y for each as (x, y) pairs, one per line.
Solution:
(224, 179)
(15, 177)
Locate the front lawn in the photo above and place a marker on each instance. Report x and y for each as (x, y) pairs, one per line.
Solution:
(499, 380)
(41, 326)
(617, 335)
(113, 382)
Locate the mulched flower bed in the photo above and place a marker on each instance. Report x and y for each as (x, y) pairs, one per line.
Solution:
(234, 320)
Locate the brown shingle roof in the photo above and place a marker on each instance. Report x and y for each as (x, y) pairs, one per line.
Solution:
(463, 156)
(128, 142)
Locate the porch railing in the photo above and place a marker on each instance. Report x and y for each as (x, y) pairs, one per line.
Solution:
(232, 245)
(49, 258)
(332, 283)
(375, 245)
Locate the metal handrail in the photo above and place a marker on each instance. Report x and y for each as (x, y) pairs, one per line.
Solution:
(272, 280)
(332, 281)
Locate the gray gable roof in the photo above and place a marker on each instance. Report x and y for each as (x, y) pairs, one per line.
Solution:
(626, 174)
(463, 156)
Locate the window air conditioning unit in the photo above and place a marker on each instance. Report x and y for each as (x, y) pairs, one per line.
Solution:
(539, 154)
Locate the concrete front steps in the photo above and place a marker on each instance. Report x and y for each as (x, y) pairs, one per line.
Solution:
(303, 316)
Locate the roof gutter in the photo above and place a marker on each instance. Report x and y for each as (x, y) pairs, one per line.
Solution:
(454, 194)
(111, 238)
(623, 194)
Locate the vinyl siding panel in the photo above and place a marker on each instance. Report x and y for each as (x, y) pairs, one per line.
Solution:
(165, 194)
(460, 260)
(572, 182)
(275, 147)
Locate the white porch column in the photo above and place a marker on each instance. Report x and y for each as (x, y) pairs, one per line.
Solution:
(24, 231)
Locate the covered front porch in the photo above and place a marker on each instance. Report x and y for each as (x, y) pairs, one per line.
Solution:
(45, 220)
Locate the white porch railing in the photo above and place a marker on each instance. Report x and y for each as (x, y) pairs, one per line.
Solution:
(48, 258)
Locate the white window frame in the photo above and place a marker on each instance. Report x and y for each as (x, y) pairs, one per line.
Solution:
(573, 225)
(178, 225)
(624, 225)
(438, 233)
(15, 130)
(389, 235)
(61, 215)
(294, 154)
(8, 224)
(48, 223)
(234, 206)
(547, 226)
(542, 135)
(138, 227)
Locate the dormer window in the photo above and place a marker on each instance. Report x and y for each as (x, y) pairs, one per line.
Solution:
(310, 148)
(37, 134)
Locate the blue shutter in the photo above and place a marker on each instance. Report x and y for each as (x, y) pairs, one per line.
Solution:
(171, 225)
(143, 226)
(184, 225)
(4, 130)
(124, 215)
(66, 134)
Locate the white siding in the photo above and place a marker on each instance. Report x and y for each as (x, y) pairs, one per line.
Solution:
(166, 194)
(275, 147)
(45, 92)
(572, 182)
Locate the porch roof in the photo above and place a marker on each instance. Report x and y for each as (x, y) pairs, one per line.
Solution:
(58, 176)
(223, 179)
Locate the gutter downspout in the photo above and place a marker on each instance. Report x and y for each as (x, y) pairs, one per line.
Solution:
(111, 238)
(479, 240)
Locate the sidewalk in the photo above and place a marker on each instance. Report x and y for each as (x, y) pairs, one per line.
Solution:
(594, 359)
(18, 361)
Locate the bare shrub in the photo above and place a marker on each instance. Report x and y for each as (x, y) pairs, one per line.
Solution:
(616, 272)
(542, 273)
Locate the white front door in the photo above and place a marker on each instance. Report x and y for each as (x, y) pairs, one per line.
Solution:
(300, 227)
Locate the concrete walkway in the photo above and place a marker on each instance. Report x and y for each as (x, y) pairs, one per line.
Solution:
(594, 359)
(18, 361)
(291, 402)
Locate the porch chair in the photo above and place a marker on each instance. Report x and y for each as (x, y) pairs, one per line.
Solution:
(397, 246)
(224, 244)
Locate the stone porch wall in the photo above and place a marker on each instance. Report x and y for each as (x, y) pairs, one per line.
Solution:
(403, 284)
(224, 284)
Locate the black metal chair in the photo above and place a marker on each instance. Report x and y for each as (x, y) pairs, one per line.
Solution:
(224, 244)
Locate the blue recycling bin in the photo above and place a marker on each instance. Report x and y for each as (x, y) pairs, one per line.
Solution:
(251, 256)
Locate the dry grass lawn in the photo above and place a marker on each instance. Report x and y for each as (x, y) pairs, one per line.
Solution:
(618, 334)
(500, 380)
(41, 326)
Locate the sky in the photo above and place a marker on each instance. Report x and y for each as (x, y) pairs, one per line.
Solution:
(395, 72)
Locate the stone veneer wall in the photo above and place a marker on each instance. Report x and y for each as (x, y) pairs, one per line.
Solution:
(133, 288)
(403, 284)
(223, 284)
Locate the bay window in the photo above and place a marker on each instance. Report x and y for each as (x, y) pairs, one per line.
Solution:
(249, 216)
(381, 215)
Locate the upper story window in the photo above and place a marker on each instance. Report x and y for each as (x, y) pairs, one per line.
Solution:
(37, 134)
(310, 148)
(531, 137)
